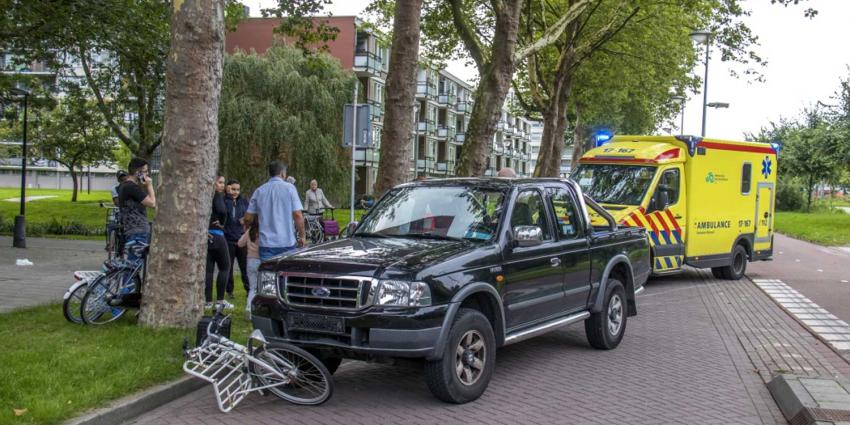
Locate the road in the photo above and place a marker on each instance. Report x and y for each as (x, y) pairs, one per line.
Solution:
(54, 262)
(699, 351)
(820, 273)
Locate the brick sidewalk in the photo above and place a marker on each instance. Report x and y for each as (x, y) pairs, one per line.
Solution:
(681, 362)
(55, 261)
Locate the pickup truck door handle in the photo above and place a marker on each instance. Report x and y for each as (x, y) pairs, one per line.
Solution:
(555, 261)
(677, 217)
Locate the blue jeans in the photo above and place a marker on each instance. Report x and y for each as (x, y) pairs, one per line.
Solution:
(132, 258)
(132, 240)
(266, 253)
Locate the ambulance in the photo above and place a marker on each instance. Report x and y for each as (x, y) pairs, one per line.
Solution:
(706, 203)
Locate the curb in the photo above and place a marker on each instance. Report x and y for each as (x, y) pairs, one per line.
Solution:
(127, 408)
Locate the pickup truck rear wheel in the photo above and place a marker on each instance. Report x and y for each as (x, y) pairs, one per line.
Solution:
(469, 358)
(606, 328)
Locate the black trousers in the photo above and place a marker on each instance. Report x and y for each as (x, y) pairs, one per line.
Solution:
(240, 256)
(217, 255)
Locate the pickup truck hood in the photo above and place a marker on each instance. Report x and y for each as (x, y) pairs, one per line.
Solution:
(369, 254)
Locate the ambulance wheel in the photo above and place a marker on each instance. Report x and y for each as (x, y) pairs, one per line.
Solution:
(738, 267)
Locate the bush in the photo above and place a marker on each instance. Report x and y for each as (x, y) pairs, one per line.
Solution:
(789, 196)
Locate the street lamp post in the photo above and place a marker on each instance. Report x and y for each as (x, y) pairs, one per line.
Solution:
(681, 101)
(19, 239)
(415, 141)
(703, 37)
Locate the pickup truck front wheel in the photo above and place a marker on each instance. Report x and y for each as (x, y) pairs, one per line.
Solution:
(469, 358)
(606, 328)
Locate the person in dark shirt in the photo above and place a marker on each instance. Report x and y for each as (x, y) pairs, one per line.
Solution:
(233, 230)
(135, 196)
(217, 254)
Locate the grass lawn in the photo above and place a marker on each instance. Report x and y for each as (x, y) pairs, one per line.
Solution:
(57, 370)
(821, 227)
(56, 215)
(85, 219)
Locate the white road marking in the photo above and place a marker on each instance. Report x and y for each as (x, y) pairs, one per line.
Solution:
(830, 329)
(820, 270)
(844, 280)
(797, 260)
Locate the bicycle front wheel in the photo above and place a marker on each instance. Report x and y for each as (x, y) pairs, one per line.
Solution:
(307, 380)
(95, 308)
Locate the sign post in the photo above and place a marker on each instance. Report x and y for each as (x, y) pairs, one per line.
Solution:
(353, 149)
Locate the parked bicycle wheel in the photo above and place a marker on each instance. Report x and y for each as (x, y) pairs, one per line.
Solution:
(95, 308)
(315, 233)
(73, 301)
(309, 381)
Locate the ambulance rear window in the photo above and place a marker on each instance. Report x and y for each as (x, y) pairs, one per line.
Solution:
(746, 178)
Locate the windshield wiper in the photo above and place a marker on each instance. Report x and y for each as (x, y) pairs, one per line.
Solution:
(430, 236)
(370, 235)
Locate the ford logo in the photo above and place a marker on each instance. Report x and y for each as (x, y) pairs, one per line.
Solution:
(321, 292)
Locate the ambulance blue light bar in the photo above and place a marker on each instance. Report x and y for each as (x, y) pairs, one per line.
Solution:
(601, 137)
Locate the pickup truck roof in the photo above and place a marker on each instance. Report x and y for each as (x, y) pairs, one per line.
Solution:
(497, 182)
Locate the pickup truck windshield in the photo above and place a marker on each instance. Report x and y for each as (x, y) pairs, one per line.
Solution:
(614, 184)
(438, 212)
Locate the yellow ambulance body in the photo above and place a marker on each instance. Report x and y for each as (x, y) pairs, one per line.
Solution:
(703, 202)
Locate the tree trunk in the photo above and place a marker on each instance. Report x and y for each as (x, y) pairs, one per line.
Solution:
(400, 95)
(173, 295)
(491, 92)
(811, 190)
(579, 139)
(76, 184)
(555, 124)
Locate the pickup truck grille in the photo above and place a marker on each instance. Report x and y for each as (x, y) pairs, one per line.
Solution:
(325, 291)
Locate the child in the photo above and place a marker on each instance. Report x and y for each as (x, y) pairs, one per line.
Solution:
(250, 239)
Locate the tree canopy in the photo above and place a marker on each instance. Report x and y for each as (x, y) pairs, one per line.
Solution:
(284, 105)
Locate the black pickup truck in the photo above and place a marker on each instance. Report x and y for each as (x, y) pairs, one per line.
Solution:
(449, 270)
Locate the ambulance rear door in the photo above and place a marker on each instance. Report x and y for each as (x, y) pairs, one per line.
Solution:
(764, 216)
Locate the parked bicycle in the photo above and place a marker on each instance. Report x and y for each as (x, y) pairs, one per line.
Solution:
(73, 298)
(109, 295)
(114, 231)
(235, 370)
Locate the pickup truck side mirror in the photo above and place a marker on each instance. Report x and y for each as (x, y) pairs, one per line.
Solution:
(349, 229)
(528, 236)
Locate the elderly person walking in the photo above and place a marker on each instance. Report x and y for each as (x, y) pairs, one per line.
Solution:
(314, 199)
(277, 206)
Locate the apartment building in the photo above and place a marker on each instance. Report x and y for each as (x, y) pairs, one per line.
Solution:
(442, 108)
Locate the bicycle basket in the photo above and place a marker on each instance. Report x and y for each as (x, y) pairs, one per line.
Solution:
(224, 368)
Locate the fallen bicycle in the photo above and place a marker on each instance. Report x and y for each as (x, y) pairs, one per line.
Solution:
(235, 371)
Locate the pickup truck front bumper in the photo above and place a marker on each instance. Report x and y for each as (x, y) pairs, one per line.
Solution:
(373, 332)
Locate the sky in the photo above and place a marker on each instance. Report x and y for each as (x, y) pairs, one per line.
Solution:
(805, 60)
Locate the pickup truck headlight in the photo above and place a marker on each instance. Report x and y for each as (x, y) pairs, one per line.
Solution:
(401, 293)
(267, 283)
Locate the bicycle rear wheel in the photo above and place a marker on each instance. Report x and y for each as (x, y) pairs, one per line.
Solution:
(72, 303)
(95, 308)
(309, 381)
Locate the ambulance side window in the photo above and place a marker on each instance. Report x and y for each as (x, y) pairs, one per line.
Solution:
(746, 178)
(669, 184)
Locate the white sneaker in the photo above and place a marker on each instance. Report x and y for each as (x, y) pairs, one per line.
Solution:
(208, 306)
(227, 305)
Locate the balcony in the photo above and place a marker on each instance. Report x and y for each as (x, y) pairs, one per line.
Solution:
(459, 137)
(368, 62)
(463, 107)
(444, 132)
(446, 99)
(425, 127)
(377, 110)
(425, 90)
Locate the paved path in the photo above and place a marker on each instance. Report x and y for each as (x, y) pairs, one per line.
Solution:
(699, 351)
(54, 262)
(820, 273)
